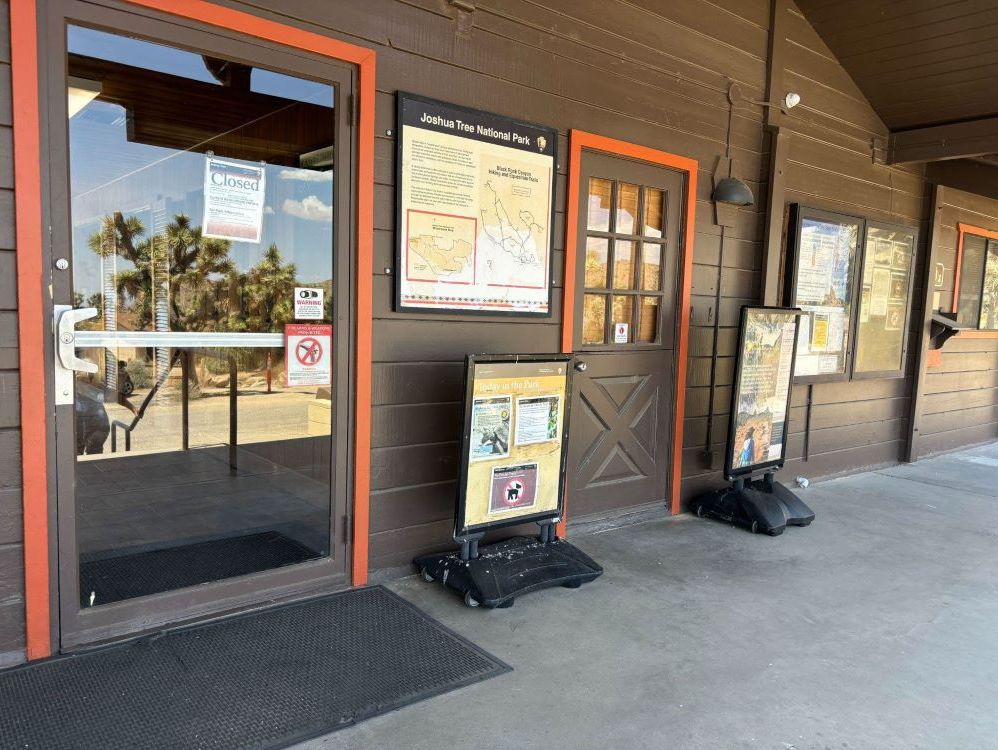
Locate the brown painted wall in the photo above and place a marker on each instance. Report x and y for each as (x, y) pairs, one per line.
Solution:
(960, 406)
(11, 551)
(861, 423)
(646, 71)
(830, 165)
(652, 73)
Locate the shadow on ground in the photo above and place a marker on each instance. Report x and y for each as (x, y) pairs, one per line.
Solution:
(876, 627)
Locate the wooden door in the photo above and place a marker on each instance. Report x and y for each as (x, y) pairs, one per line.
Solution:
(630, 221)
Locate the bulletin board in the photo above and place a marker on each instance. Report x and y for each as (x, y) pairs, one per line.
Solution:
(514, 446)
(885, 300)
(823, 259)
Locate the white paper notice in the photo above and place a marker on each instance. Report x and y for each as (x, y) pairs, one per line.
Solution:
(308, 354)
(620, 333)
(537, 419)
(309, 303)
(233, 200)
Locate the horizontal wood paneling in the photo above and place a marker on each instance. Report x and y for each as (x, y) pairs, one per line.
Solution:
(919, 63)
(960, 406)
(648, 72)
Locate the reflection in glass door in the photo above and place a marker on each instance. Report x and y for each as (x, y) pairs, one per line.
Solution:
(202, 197)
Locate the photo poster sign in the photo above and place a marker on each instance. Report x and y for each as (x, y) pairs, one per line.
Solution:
(474, 210)
(760, 401)
(515, 430)
(823, 282)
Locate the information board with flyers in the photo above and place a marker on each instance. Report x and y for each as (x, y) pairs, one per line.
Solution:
(513, 453)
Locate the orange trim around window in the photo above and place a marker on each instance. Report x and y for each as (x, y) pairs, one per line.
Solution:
(961, 231)
(31, 326)
(579, 141)
(31, 307)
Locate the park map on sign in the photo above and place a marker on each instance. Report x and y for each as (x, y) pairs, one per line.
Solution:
(441, 247)
(475, 216)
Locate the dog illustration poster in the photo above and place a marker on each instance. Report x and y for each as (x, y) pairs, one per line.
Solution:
(513, 488)
(490, 428)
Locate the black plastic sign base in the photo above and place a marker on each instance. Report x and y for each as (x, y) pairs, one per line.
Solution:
(760, 506)
(507, 569)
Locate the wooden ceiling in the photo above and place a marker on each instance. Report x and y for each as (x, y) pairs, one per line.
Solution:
(921, 63)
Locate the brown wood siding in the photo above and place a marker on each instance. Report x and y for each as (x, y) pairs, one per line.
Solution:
(652, 73)
(960, 406)
(919, 62)
(854, 424)
(11, 550)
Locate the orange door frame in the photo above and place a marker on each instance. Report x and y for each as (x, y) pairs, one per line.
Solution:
(579, 141)
(32, 304)
(962, 231)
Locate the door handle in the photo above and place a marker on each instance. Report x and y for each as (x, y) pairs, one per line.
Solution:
(580, 365)
(65, 337)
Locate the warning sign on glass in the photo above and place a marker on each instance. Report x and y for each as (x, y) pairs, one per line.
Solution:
(308, 354)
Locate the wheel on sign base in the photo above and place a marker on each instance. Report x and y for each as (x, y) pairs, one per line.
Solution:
(755, 526)
(699, 511)
(469, 600)
(426, 574)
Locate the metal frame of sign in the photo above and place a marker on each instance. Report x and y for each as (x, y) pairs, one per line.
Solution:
(731, 473)
(463, 532)
(400, 97)
(899, 372)
(798, 213)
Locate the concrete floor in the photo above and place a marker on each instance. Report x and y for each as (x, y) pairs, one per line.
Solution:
(877, 627)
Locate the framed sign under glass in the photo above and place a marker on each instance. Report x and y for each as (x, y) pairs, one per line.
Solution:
(823, 259)
(515, 432)
(884, 300)
(760, 399)
(474, 202)
(975, 288)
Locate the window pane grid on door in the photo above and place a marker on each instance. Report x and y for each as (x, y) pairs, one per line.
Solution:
(623, 278)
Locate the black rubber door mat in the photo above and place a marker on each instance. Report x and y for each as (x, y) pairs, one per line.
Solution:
(114, 578)
(263, 680)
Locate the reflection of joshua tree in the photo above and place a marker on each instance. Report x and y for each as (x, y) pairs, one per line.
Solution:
(267, 295)
(197, 264)
(118, 236)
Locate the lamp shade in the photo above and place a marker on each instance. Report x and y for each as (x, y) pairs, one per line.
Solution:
(734, 191)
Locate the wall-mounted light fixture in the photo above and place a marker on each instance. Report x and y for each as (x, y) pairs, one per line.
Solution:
(730, 189)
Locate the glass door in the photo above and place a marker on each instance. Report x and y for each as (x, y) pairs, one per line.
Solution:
(203, 221)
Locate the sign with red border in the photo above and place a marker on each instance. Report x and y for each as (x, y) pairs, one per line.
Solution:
(308, 354)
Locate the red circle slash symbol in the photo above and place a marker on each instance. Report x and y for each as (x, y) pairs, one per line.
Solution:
(308, 351)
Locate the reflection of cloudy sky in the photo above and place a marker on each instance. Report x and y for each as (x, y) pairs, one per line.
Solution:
(110, 173)
(310, 208)
(305, 175)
